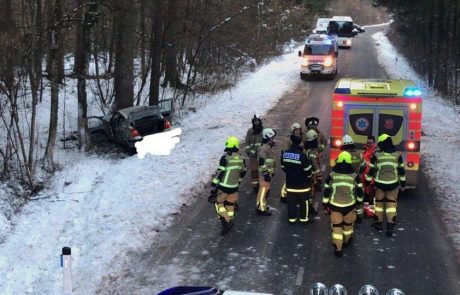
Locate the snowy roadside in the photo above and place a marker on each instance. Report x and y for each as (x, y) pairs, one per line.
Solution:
(440, 136)
(103, 208)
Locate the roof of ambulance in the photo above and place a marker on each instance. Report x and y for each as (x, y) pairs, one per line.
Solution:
(377, 86)
(343, 18)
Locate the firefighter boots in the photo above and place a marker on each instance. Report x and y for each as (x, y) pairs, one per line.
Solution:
(390, 227)
(377, 225)
(226, 226)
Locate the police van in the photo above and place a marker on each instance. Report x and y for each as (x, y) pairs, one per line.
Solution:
(319, 57)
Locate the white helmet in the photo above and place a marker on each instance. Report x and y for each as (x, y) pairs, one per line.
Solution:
(268, 133)
(338, 289)
(368, 290)
(295, 126)
(311, 135)
(318, 289)
(395, 292)
(346, 140)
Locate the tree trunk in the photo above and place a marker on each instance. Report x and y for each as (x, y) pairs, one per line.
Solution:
(124, 54)
(155, 54)
(81, 68)
(171, 71)
(54, 44)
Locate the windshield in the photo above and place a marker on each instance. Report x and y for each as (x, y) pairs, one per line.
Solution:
(341, 28)
(318, 50)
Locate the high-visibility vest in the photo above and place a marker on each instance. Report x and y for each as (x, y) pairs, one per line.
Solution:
(343, 189)
(232, 171)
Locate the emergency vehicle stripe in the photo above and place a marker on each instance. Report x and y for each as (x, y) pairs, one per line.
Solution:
(337, 122)
(336, 132)
(390, 100)
(412, 157)
(417, 125)
(415, 116)
(337, 114)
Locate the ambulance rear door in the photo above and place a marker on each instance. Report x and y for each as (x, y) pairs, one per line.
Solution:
(363, 120)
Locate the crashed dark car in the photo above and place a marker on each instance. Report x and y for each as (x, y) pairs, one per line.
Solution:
(130, 125)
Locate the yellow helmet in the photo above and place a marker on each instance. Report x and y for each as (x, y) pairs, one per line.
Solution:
(232, 142)
(383, 137)
(344, 157)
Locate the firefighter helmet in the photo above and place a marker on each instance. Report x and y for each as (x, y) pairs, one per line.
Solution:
(347, 140)
(318, 289)
(232, 142)
(268, 133)
(338, 289)
(311, 122)
(383, 137)
(256, 118)
(295, 126)
(395, 292)
(344, 157)
(368, 290)
(311, 135)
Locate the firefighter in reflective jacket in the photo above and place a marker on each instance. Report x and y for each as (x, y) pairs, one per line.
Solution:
(253, 141)
(312, 124)
(298, 168)
(287, 143)
(311, 150)
(386, 168)
(358, 166)
(342, 191)
(266, 158)
(224, 191)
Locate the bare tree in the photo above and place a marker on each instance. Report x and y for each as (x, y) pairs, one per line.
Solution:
(53, 76)
(124, 54)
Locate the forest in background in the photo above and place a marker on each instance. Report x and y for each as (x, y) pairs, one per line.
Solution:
(427, 32)
(116, 51)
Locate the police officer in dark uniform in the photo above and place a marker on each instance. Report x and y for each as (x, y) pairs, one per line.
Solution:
(298, 169)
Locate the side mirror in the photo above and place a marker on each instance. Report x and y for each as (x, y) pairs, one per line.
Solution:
(300, 53)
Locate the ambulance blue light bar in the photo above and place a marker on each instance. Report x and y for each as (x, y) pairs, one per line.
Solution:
(412, 92)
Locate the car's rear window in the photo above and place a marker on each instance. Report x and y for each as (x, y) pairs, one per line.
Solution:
(149, 124)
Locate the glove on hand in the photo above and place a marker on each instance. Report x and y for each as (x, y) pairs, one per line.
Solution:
(403, 184)
(267, 177)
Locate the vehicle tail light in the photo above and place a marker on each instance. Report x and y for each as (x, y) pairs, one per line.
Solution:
(328, 61)
(166, 124)
(133, 132)
(337, 142)
(410, 145)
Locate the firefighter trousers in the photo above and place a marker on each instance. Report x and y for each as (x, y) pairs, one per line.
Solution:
(262, 195)
(342, 226)
(294, 199)
(385, 204)
(253, 169)
(225, 205)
